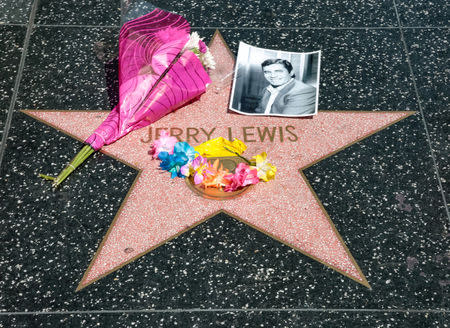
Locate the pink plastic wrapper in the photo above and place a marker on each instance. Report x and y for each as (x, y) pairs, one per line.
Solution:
(148, 46)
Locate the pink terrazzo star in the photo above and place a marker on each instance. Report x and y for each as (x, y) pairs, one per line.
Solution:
(286, 209)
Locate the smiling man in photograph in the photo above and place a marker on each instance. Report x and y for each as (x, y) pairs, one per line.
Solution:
(285, 95)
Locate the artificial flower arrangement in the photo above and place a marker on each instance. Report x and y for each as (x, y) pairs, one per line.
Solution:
(161, 67)
(183, 160)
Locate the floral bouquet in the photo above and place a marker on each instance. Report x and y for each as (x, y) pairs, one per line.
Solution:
(161, 68)
(182, 160)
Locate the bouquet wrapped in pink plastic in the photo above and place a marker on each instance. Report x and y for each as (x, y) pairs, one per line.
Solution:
(161, 67)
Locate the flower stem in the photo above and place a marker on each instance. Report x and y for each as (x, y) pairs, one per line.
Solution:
(82, 155)
(239, 155)
(46, 177)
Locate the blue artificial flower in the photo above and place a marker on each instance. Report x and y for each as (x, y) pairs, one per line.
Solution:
(183, 154)
(173, 162)
(184, 147)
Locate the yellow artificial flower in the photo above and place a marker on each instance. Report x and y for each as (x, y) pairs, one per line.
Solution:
(218, 147)
(266, 171)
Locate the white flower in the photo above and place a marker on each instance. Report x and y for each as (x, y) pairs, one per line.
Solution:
(205, 57)
(192, 44)
(207, 60)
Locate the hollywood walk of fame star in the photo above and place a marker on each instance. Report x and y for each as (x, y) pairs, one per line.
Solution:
(157, 208)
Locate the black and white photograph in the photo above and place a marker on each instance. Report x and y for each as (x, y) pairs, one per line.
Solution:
(274, 82)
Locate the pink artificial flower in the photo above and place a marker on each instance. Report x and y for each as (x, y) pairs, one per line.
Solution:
(243, 176)
(202, 47)
(199, 164)
(198, 167)
(165, 142)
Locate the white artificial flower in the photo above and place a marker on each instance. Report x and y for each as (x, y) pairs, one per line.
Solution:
(207, 60)
(192, 44)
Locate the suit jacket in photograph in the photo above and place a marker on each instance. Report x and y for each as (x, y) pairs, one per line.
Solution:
(296, 98)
